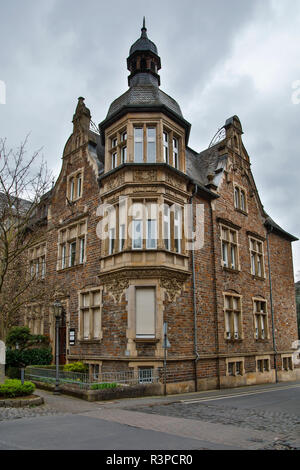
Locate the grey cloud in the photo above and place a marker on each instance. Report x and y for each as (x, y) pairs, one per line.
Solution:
(56, 50)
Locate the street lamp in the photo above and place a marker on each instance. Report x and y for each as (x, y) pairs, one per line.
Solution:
(57, 306)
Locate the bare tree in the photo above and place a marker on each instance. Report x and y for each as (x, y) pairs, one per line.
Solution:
(23, 184)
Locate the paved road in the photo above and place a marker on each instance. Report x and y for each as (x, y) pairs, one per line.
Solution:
(259, 417)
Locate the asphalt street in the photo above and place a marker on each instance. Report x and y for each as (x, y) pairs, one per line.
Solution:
(259, 417)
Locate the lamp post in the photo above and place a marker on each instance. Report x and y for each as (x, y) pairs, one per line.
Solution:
(57, 306)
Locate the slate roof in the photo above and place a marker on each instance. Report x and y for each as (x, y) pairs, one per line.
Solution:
(144, 95)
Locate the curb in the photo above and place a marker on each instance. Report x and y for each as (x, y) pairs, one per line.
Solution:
(13, 403)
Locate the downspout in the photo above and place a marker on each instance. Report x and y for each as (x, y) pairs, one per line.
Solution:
(194, 292)
(269, 230)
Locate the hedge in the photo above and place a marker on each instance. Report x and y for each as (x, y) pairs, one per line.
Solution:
(14, 388)
(75, 367)
(36, 356)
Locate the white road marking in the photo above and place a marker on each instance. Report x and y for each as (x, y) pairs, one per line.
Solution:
(236, 395)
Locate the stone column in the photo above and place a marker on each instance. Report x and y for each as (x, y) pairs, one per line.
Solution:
(2, 361)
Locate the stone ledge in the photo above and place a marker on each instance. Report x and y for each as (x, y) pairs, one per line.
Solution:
(20, 402)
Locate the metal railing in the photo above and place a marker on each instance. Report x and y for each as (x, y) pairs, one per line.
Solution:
(87, 380)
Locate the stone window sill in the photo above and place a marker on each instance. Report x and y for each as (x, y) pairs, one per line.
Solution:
(146, 340)
(230, 270)
(89, 341)
(241, 211)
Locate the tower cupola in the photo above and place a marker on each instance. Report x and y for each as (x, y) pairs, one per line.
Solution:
(143, 62)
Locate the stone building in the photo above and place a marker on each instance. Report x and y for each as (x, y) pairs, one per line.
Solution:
(226, 292)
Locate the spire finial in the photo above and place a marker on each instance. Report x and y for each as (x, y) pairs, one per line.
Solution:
(144, 29)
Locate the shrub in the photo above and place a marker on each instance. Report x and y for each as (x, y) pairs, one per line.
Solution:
(14, 388)
(75, 367)
(103, 386)
(27, 357)
(21, 336)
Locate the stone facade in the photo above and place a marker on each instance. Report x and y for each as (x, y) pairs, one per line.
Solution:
(229, 304)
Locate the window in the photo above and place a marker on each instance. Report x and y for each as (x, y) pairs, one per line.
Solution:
(72, 240)
(145, 375)
(151, 234)
(145, 312)
(263, 364)
(257, 259)
(235, 367)
(167, 226)
(233, 317)
(138, 145)
(79, 182)
(75, 185)
(151, 226)
(111, 229)
(260, 319)
(145, 134)
(287, 363)
(72, 254)
(151, 144)
(229, 248)
(81, 253)
(114, 159)
(137, 235)
(114, 142)
(72, 189)
(240, 199)
(34, 318)
(175, 153)
(166, 147)
(63, 255)
(124, 154)
(37, 261)
(90, 314)
(122, 224)
(177, 228)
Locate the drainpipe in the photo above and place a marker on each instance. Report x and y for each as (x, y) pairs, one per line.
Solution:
(194, 292)
(269, 230)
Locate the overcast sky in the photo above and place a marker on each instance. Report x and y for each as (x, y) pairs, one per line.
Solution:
(219, 58)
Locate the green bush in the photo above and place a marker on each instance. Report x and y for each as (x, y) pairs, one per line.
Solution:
(27, 357)
(103, 386)
(75, 367)
(14, 388)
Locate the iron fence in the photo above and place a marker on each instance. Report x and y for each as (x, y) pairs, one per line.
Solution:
(88, 380)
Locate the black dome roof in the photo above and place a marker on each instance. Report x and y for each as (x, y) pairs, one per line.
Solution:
(143, 43)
